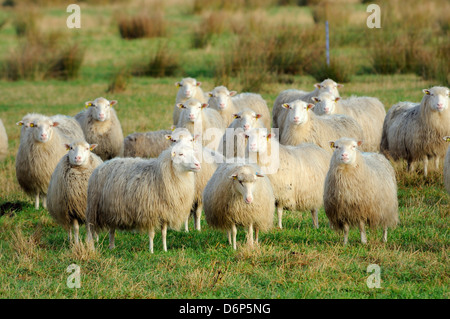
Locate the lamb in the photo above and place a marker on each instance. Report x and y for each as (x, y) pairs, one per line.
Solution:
(360, 188)
(447, 167)
(290, 95)
(161, 194)
(244, 121)
(101, 126)
(3, 142)
(238, 195)
(201, 120)
(40, 150)
(227, 103)
(188, 88)
(297, 173)
(413, 131)
(368, 112)
(67, 191)
(301, 125)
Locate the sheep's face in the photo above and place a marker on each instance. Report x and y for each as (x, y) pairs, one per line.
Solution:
(79, 152)
(187, 88)
(43, 129)
(329, 86)
(27, 120)
(325, 104)
(345, 150)
(221, 97)
(101, 108)
(244, 181)
(247, 120)
(257, 140)
(437, 98)
(192, 109)
(298, 111)
(183, 157)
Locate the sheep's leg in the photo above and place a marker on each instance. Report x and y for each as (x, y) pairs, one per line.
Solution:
(346, 228)
(89, 236)
(256, 235)
(112, 234)
(151, 236)
(315, 217)
(198, 216)
(164, 236)
(280, 216)
(425, 166)
(186, 224)
(76, 230)
(250, 235)
(234, 233)
(363, 232)
(36, 201)
(411, 167)
(229, 236)
(69, 237)
(385, 234)
(44, 201)
(436, 162)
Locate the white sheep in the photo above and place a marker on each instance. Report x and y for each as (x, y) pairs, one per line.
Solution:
(297, 173)
(368, 112)
(227, 103)
(67, 191)
(302, 125)
(413, 131)
(188, 88)
(142, 194)
(40, 150)
(360, 189)
(101, 126)
(201, 120)
(290, 95)
(238, 195)
(3, 142)
(447, 167)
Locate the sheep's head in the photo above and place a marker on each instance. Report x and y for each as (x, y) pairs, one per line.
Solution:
(298, 111)
(187, 87)
(192, 109)
(345, 150)
(329, 86)
(183, 158)
(220, 97)
(101, 108)
(79, 152)
(28, 119)
(182, 135)
(244, 179)
(257, 140)
(437, 98)
(247, 119)
(325, 103)
(43, 129)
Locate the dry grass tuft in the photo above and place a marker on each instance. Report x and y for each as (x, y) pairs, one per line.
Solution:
(143, 26)
(26, 247)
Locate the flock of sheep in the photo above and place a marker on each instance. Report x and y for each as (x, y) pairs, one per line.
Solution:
(224, 158)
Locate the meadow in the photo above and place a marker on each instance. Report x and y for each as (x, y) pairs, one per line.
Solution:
(259, 46)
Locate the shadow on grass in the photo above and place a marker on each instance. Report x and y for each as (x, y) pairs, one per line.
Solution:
(9, 208)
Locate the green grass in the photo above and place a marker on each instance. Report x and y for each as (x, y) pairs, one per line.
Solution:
(295, 262)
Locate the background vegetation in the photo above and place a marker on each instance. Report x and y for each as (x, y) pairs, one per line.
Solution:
(134, 51)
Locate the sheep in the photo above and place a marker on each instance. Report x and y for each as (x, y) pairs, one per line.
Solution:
(290, 95)
(199, 119)
(101, 126)
(40, 150)
(188, 88)
(297, 173)
(227, 103)
(149, 144)
(142, 194)
(447, 167)
(368, 112)
(67, 191)
(302, 125)
(244, 121)
(238, 195)
(3, 142)
(25, 123)
(360, 188)
(413, 131)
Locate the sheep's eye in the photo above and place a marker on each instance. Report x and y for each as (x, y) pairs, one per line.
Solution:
(181, 154)
(240, 182)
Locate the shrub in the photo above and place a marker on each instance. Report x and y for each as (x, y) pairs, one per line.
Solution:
(142, 26)
(164, 62)
(339, 70)
(119, 82)
(212, 23)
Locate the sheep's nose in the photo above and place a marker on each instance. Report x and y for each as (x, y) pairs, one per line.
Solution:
(44, 135)
(326, 109)
(246, 127)
(222, 105)
(249, 199)
(188, 92)
(296, 118)
(440, 105)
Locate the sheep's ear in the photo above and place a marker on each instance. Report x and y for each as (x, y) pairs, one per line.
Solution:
(317, 85)
(173, 153)
(88, 103)
(285, 105)
(246, 135)
(234, 176)
(173, 127)
(310, 106)
(337, 99)
(67, 146)
(233, 93)
(359, 143)
(259, 174)
(20, 123)
(258, 116)
(199, 83)
(269, 136)
(447, 138)
(340, 85)
(113, 102)
(236, 115)
(210, 94)
(168, 137)
(315, 99)
(426, 91)
(55, 124)
(332, 145)
(177, 84)
(204, 105)
(92, 146)
(181, 105)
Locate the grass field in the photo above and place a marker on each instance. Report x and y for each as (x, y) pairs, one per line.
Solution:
(296, 262)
